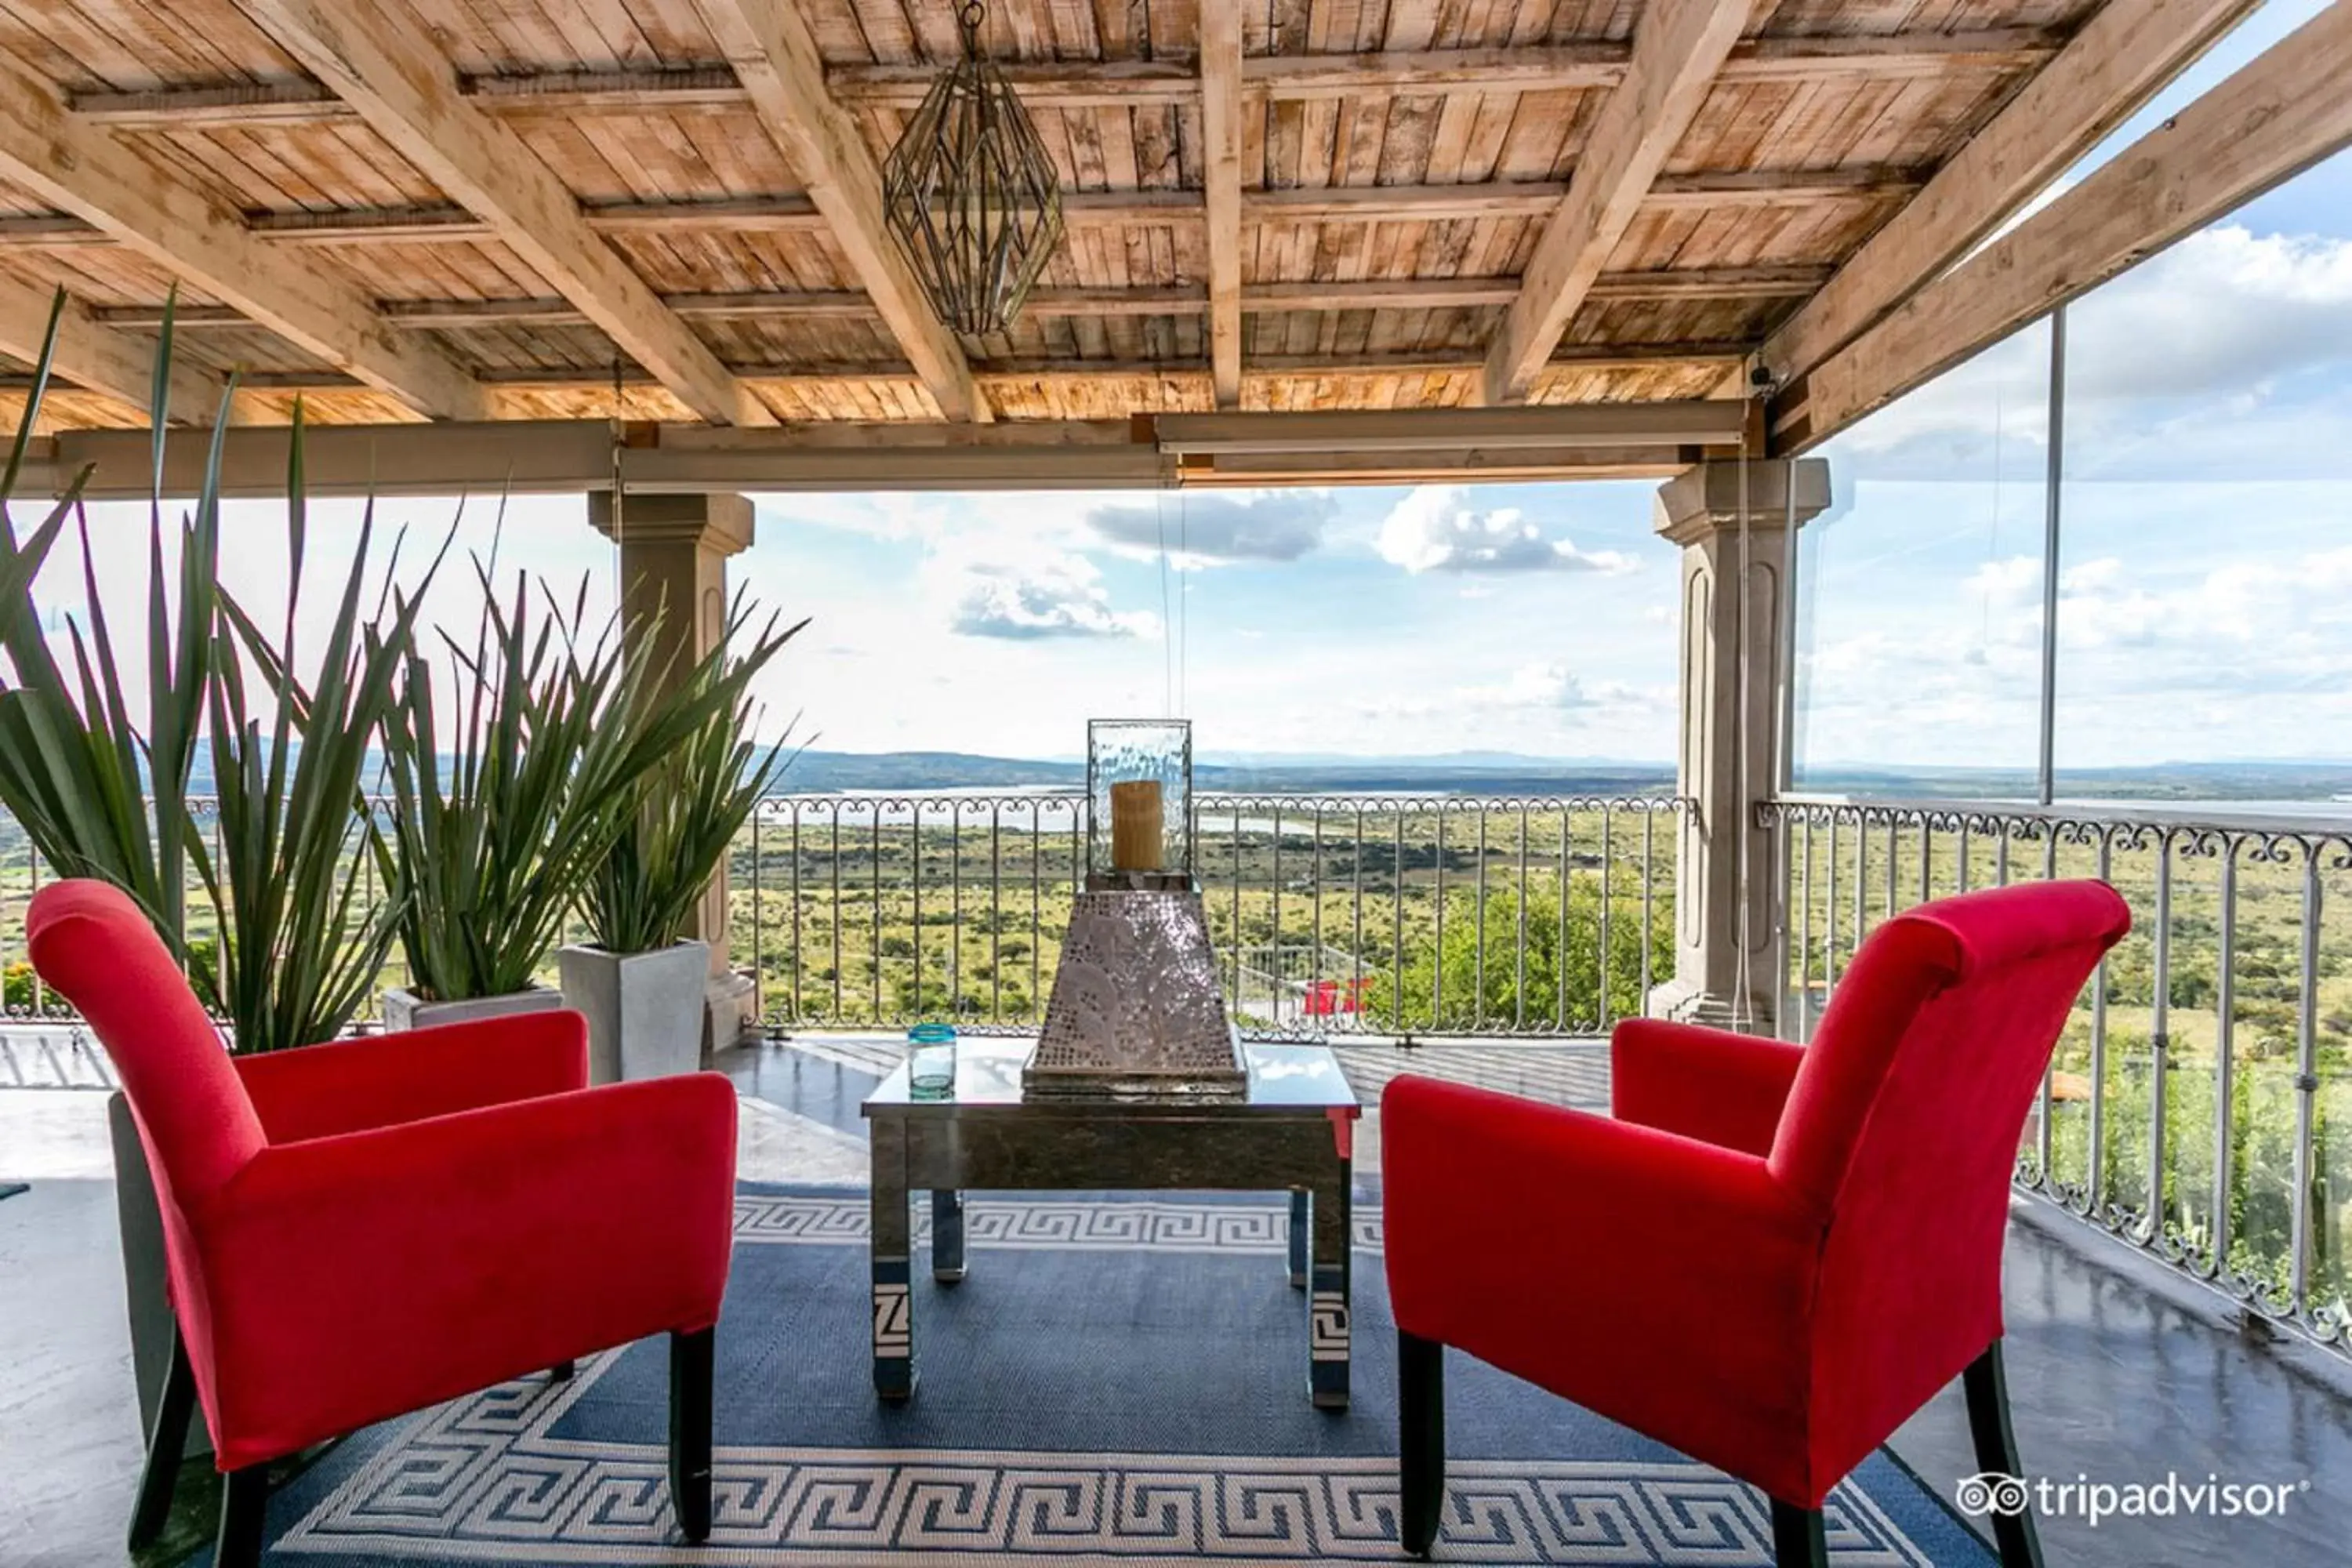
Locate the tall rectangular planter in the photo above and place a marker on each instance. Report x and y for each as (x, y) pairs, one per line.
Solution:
(645, 1011)
(403, 1010)
(144, 1272)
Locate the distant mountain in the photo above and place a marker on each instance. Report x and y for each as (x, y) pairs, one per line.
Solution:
(1268, 773)
(1507, 773)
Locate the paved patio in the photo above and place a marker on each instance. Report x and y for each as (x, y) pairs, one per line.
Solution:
(2119, 1371)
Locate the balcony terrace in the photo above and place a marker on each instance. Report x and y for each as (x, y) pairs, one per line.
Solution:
(649, 254)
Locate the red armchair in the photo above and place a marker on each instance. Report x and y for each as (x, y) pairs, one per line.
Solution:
(1772, 1255)
(354, 1231)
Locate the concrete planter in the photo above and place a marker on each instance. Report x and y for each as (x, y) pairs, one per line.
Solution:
(404, 1009)
(143, 1270)
(645, 1010)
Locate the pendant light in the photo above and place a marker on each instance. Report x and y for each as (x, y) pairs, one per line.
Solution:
(970, 193)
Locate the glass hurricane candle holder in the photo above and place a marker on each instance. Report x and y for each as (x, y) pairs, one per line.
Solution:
(1139, 794)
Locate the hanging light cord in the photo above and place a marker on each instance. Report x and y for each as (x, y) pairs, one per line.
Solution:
(620, 439)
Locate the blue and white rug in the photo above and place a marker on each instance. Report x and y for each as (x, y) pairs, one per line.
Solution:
(1117, 1382)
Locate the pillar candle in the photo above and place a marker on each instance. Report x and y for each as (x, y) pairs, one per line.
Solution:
(1136, 840)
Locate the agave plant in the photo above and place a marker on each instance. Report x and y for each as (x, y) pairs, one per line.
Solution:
(492, 841)
(99, 792)
(103, 792)
(641, 894)
(301, 941)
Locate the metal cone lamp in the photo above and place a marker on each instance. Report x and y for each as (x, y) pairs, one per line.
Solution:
(970, 193)
(1137, 1012)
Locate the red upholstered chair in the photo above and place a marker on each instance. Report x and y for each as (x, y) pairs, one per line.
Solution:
(1772, 1255)
(354, 1231)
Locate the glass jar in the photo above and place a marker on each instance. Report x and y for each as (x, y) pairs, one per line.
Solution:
(931, 1061)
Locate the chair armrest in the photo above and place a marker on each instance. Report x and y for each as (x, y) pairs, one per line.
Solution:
(382, 1080)
(1498, 1206)
(348, 1278)
(1709, 1084)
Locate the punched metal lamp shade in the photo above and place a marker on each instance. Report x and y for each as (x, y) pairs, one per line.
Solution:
(971, 194)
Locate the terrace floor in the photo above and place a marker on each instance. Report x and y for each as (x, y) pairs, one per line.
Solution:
(2120, 1371)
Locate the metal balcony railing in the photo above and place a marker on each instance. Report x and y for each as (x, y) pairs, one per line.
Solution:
(1540, 916)
(2199, 1104)
(1392, 914)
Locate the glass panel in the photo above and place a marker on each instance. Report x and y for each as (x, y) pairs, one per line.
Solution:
(1921, 588)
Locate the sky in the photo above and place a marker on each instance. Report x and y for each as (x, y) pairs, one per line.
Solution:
(2206, 587)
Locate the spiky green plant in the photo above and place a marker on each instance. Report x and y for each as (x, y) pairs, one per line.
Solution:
(303, 941)
(688, 812)
(101, 794)
(496, 825)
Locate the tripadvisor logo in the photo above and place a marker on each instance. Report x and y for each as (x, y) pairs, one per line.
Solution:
(1992, 1492)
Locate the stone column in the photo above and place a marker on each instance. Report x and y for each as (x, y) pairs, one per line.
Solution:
(1729, 963)
(674, 551)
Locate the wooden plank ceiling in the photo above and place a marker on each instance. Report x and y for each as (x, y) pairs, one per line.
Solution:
(1401, 163)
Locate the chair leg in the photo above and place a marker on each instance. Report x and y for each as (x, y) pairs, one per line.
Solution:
(1986, 1383)
(1798, 1540)
(245, 1504)
(1420, 1445)
(691, 1365)
(165, 1444)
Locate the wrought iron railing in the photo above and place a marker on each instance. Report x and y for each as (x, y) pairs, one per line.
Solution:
(1390, 914)
(2233, 993)
(1331, 914)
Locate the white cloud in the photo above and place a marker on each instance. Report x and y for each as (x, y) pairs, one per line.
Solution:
(2157, 661)
(1043, 596)
(1435, 529)
(2222, 357)
(1280, 525)
(2223, 314)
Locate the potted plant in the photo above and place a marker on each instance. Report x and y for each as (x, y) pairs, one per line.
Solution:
(490, 841)
(280, 951)
(638, 979)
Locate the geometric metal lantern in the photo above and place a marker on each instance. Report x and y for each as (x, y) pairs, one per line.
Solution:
(970, 193)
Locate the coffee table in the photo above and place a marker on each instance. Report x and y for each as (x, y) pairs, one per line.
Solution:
(1295, 1134)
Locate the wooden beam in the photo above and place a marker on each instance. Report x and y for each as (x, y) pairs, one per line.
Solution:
(1589, 64)
(775, 56)
(2276, 116)
(567, 456)
(1468, 466)
(101, 180)
(792, 213)
(2122, 58)
(1554, 68)
(1577, 358)
(1173, 299)
(1678, 47)
(1221, 178)
(97, 357)
(1536, 198)
(381, 62)
(1453, 429)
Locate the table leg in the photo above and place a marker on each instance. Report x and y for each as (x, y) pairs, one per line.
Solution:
(1300, 1209)
(892, 1248)
(1327, 1298)
(947, 1235)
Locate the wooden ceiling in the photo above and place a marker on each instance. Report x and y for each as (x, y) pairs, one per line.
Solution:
(552, 209)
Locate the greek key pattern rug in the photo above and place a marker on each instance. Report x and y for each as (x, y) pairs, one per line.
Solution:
(1160, 1340)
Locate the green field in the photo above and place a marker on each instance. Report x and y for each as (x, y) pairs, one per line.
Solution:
(1410, 917)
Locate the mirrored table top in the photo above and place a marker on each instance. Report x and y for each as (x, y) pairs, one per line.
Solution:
(1282, 1078)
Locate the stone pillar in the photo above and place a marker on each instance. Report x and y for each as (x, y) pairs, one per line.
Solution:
(674, 551)
(1734, 603)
